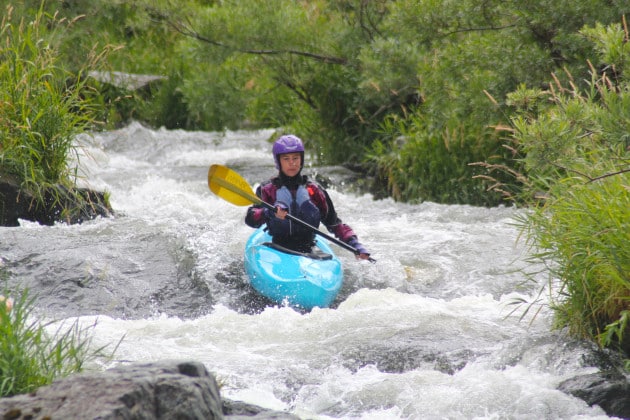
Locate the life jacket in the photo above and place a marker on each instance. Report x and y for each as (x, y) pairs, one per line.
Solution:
(288, 233)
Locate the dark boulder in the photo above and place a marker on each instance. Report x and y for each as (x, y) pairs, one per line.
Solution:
(57, 204)
(165, 390)
(610, 390)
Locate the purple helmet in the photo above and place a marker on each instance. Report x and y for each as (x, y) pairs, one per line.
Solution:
(287, 144)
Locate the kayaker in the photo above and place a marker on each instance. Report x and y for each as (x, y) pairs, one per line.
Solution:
(293, 193)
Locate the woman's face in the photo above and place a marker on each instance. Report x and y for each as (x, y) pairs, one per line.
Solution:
(290, 163)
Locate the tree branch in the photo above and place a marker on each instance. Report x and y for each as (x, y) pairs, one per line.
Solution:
(607, 175)
(590, 179)
(186, 29)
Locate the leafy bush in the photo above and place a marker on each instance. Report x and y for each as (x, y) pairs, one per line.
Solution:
(419, 165)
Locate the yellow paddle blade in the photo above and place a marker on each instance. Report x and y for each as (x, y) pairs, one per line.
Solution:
(230, 186)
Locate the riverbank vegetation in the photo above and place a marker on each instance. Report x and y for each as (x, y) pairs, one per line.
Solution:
(575, 145)
(43, 106)
(470, 102)
(30, 356)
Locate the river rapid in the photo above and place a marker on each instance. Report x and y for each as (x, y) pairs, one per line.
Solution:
(428, 332)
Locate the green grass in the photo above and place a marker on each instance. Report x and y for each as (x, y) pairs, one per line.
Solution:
(587, 231)
(30, 356)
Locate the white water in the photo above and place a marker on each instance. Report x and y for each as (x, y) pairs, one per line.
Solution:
(425, 333)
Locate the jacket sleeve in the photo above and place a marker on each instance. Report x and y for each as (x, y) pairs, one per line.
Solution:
(257, 214)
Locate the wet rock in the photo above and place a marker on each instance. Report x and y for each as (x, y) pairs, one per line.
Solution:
(166, 390)
(610, 390)
(59, 204)
(235, 410)
(128, 81)
(131, 274)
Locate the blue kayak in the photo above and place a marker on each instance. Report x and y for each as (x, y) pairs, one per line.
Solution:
(302, 280)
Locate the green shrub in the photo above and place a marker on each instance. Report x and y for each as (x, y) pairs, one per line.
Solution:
(421, 165)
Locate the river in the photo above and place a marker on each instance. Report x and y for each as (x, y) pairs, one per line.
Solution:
(428, 332)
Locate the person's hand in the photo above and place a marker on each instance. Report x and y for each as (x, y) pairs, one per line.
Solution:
(281, 210)
(362, 253)
(281, 213)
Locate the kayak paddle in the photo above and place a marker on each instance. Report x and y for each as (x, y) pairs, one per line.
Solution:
(233, 188)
